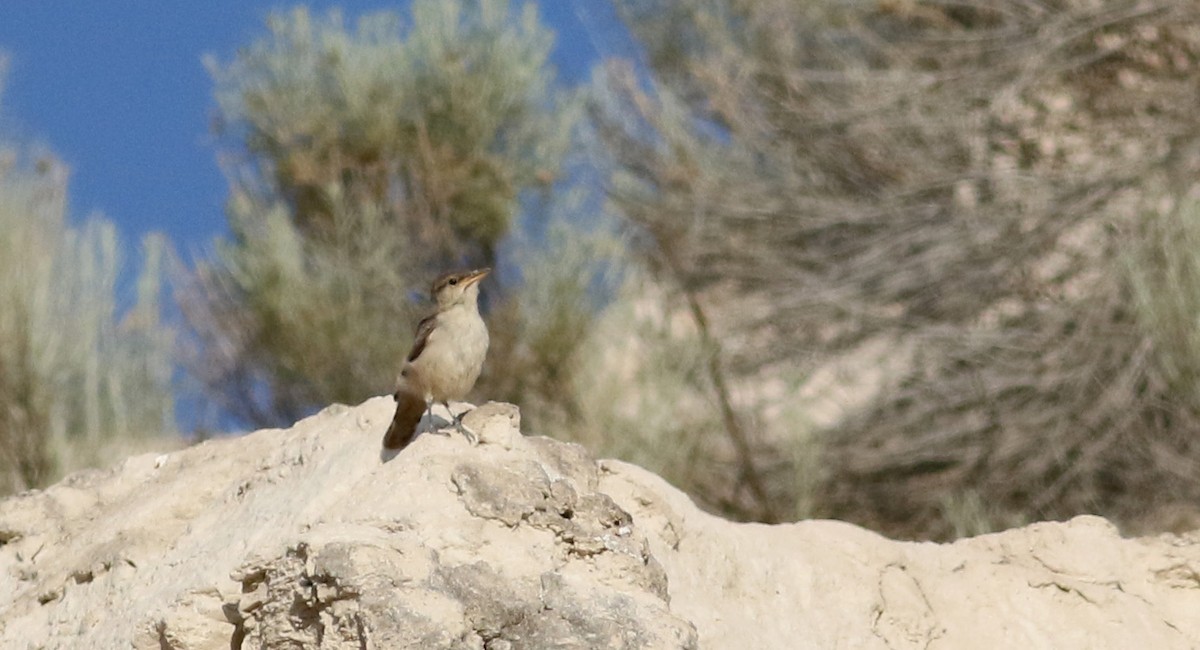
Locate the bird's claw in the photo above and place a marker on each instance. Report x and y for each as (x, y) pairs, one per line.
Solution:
(466, 433)
(457, 425)
(472, 439)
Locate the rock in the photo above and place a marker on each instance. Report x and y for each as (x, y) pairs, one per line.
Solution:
(824, 584)
(310, 537)
(495, 423)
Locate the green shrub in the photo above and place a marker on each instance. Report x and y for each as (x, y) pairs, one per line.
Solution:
(365, 161)
(80, 384)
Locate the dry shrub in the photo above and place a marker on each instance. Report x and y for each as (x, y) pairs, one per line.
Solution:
(1059, 412)
(961, 177)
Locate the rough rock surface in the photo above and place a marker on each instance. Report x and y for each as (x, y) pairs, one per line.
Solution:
(310, 538)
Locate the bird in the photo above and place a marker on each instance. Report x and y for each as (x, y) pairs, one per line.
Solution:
(446, 357)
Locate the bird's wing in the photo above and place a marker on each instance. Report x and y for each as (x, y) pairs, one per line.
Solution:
(424, 329)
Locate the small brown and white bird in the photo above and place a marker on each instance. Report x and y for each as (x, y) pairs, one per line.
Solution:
(446, 356)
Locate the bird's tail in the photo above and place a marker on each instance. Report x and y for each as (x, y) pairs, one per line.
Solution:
(409, 408)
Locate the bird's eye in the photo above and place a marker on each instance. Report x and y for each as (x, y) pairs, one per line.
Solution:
(453, 281)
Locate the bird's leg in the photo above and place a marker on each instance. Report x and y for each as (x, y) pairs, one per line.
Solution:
(458, 425)
(429, 414)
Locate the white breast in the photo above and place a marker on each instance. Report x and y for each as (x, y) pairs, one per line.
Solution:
(453, 356)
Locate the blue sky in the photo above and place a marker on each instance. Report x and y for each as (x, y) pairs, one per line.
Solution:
(117, 90)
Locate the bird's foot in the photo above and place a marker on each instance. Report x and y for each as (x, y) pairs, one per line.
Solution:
(458, 426)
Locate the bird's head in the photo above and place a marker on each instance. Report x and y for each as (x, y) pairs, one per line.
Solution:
(452, 289)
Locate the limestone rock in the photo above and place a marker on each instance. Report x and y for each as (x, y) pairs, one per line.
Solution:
(312, 538)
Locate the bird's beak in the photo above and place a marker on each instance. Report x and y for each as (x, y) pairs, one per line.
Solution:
(476, 276)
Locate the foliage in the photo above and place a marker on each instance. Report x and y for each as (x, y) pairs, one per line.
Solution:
(1163, 269)
(820, 175)
(538, 332)
(78, 385)
(440, 125)
(364, 162)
